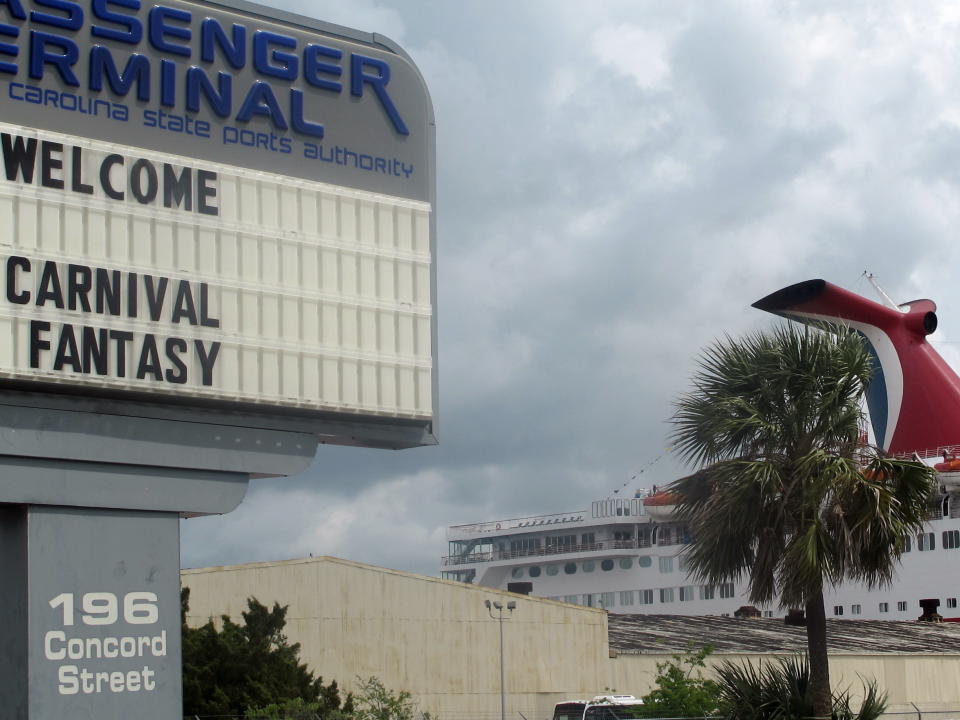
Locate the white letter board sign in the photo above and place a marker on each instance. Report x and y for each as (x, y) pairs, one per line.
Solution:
(212, 204)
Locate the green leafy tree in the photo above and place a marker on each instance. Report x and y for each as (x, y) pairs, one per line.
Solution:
(783, 493)
(301, 710)
(290, 710)
(252, 665)
(680, 690)
(376, 702)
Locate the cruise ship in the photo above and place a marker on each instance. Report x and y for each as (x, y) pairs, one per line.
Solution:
(625, 554)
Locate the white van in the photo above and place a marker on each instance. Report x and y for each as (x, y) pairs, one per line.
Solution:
(602, 707)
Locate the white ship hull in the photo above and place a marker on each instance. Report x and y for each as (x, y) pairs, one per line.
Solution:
(618, 557)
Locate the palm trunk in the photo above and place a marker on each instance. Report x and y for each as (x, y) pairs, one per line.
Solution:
(818, 692)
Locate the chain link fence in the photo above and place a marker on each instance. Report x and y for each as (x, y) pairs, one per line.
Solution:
(894, 712)
(913, 712)
(448, 715)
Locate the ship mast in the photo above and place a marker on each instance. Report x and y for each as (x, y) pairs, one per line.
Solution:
(880, 291)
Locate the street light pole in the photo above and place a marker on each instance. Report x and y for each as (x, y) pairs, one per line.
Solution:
(503, 683)
(499, 607)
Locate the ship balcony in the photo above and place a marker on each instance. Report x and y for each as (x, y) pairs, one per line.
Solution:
(609, 546)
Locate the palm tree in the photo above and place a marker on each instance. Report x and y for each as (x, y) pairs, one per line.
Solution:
(784, 495)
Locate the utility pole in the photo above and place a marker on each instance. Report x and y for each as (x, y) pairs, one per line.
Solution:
(498, 606)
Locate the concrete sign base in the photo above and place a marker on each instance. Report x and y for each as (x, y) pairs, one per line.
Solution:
(90, 508)
(93, 613)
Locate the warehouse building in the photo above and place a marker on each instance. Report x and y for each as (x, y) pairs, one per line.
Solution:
(437, 639)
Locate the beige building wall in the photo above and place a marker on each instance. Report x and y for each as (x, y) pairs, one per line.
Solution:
(435, 639)
(929, 680)
(431, 637)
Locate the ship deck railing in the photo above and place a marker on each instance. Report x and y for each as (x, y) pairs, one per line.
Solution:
(629, 509)
(494, 555)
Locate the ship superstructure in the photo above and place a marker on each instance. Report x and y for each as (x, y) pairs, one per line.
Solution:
(626, 555)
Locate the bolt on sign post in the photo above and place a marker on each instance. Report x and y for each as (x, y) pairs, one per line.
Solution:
(217, 245)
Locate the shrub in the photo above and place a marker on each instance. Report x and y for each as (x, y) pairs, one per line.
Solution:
(778, 691)
(680, 688)
(375, 702)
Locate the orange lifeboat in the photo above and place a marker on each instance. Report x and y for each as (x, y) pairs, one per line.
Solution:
(661, 505)
(871, 474)
(949, 471)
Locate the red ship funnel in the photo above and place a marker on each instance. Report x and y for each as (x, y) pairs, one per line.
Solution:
(914, 397)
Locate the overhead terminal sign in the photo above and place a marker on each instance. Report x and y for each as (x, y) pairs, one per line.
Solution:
(213, 204)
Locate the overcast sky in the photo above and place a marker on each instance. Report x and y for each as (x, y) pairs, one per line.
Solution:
(617, 183)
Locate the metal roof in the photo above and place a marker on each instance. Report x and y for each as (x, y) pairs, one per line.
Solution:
(659, 634)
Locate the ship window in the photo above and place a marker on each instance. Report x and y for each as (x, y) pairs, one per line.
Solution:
(838, 609)
(926, 541)
(768, 613)
(666, 595)
(666, 536)
(589, 566)
(706, 592)
(884, 607)
(906, 544)
(686, 593)
(588, 538)
(626, 563)
(666, 564)
(606, 565)
(622, 536)
(683, 563)
(951, 602)
(951, 539)
(534, 571)
(552, 570)
(854, 609)
(606, 600)
(558, 543)
(570, 568)
(726, 590)
(902, 606)
(525, 546)
(626, 597)
(572, 599)
(517, 572)
(644, 561)
(645, 597)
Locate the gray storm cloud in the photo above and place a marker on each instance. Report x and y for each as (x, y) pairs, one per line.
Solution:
(617, 182)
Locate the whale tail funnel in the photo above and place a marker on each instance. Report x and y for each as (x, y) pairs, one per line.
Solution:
(914, 397)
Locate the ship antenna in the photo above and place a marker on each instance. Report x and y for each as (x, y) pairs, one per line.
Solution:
(880, 291)
(640, 472)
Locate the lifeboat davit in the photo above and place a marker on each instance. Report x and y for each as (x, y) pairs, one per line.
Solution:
(661, 505)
